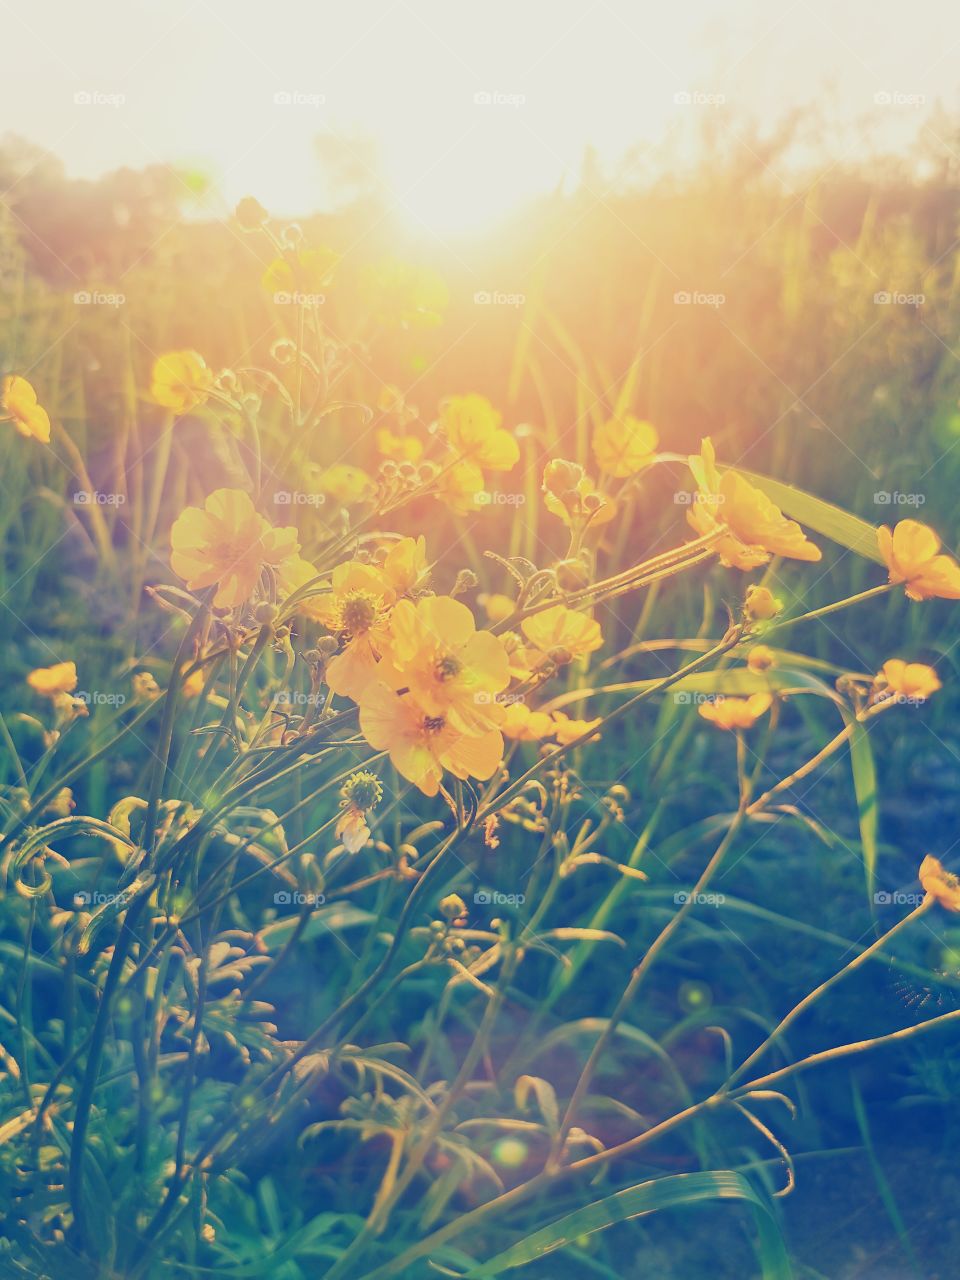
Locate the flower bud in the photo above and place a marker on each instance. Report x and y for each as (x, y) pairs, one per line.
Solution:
(760, 658)
(251, 214)
(761, 604)
(560, 476)
(452, 907)
(265, 613)
(144, 686)
(466, 580)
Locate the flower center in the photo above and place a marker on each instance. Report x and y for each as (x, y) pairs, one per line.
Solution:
(433, 724)
(358, 613)
(447, 667)
(232, 551)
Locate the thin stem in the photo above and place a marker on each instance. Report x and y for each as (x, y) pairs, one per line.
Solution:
(824, 987)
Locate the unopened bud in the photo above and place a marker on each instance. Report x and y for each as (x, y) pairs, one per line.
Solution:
(251, 214)
(265, 613)
(466, 580)
(560, 476)
(452, 907)
(760, 604)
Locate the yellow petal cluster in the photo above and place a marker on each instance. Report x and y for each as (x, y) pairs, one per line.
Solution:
(736, 713)
(18, 402)
(912, 555)
(228, 544)
(749, 526)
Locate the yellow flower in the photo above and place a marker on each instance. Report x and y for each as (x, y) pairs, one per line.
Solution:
(18, 400)
(458, 487)
(306, 272)
(357, 608)
(422, 745)
(624, 446)
(911, 555)
(756, 527)
(941, 883)
(50, 681)
(760, 658)
(399, 447)
(524, 725)
(181, 381)
(570, 494)
(497, 607)
(568, 730)
(227, 544)
(405, 564)
(563, 633)
(346, 485)
(736, 713)
(472, 427)
(452, 670)
(913, 680)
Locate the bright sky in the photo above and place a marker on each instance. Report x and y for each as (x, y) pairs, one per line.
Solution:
(241, 88)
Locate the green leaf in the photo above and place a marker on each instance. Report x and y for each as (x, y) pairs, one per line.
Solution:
(822, 517)
(647, 1197)
(546, 1098)
(334, 917)
(865, 788)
